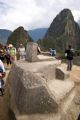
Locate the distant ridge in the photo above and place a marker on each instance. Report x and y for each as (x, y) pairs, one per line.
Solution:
(4, 34)
(37, 34)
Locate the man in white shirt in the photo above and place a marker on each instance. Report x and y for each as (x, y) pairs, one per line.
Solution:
(22, 52)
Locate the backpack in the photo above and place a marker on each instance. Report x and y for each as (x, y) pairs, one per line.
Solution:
(69, 55)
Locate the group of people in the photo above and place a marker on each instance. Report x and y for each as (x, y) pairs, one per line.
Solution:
(10, 53)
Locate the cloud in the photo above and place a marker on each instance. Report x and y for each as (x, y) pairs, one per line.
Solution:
(3, 8)
(33, 13)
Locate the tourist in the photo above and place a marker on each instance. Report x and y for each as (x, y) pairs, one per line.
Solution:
(52, 52)
(22, 52)
(2, 74)
(7, 55)
(12, 52)
(69, 56)
(39, 50)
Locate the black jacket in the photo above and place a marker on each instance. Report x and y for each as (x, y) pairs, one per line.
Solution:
(70, 54)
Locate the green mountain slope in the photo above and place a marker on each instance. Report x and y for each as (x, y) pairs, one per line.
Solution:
(19, 36)
(62, 32)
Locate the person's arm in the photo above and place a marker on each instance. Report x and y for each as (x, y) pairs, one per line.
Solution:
(2, 66)
(39, 50)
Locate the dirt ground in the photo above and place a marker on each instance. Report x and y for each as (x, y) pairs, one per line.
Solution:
(4, 100)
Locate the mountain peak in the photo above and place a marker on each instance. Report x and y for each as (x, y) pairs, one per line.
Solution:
(19, 36)
(66, 13)
(62, 32)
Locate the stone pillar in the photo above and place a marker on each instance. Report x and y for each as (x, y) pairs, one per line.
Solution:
(31, 52)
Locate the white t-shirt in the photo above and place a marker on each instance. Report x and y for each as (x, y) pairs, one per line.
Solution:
(21, 50)
(2, 66)
(0, 84)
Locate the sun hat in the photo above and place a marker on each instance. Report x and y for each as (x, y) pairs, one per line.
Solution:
(10, 45)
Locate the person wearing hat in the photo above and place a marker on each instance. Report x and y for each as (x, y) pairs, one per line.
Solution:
(12, 52)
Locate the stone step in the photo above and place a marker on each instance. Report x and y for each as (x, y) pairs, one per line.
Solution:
(39, 117)
(45, 58)
(60, 89)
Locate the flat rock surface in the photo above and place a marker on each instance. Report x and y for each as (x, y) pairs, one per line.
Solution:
(60, 88)
(44, 57)
(35, 66)
(74, 74)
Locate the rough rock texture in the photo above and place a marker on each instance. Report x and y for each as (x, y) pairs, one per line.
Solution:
(31, 93)
(34, 89)
(62, 114)
(74, 110)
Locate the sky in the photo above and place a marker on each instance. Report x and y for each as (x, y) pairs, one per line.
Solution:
(32, 14)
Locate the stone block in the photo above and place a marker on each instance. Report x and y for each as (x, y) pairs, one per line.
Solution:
(61, 73)
(60, 89)
(31, 52)
(29, 91)
(34, 96)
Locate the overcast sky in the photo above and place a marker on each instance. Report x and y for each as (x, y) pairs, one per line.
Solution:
(33, 14)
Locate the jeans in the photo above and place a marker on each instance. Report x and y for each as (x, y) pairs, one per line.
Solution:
(69, 65)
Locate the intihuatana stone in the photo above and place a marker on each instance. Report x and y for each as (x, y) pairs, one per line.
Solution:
(34, 89)
(33, 93)
(31, 52)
